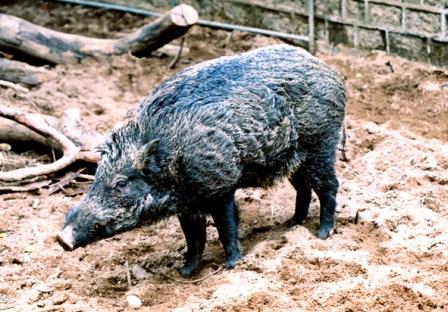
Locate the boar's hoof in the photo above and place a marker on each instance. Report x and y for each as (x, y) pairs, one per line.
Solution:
(294, 221)
(189, 269)
(325, 231)
(231, 262)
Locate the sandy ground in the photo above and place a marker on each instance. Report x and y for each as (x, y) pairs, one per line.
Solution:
(390, 252)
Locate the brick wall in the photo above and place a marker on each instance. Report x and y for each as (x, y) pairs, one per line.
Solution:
(414, 29)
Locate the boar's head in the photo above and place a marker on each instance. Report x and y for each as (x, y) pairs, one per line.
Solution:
(121, 196)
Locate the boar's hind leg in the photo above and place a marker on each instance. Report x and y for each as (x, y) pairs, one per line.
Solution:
(324, 182)
(194, 228)
(225, 216)
(303, 188)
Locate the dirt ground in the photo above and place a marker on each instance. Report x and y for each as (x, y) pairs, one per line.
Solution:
(390, 251)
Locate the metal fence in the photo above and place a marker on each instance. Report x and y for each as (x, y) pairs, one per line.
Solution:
(308, 41)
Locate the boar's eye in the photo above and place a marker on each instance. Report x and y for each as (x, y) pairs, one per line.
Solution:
(119, 183)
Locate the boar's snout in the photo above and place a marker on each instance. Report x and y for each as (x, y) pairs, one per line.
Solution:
(65, 238)
(76, 230)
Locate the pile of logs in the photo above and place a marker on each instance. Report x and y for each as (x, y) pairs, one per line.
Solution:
(61, 48)
(66, 135)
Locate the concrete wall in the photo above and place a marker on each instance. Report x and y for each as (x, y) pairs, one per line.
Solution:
(414, 29)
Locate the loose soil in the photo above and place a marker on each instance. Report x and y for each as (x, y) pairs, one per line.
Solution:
(390, 251)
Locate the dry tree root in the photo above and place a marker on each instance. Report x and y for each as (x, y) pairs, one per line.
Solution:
(177, 56)
(185, 281)
(76, 146)
(58, 47)
(67, 179)
(342, 149)
(128, 274)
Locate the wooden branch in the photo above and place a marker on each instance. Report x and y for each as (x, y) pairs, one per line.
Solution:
(58, 47)
(49, 135)
(18, 72)
(14, 86)
(25, 188)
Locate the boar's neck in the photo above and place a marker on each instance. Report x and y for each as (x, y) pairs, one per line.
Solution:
(164, 204)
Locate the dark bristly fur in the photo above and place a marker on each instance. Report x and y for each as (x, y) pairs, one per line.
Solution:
(233, 122)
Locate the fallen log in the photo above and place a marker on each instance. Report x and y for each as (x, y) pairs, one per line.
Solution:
(15, 74)
(68, 136)
(11, 131)
(58, 47)
(18, 72)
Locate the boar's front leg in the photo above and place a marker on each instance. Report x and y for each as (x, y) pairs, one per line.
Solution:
(194, 228)
(225, 216)
(303, 198)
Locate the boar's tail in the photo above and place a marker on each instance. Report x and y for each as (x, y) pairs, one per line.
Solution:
(343, 142)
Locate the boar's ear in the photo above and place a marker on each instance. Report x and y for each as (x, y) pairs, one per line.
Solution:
(145, 157)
